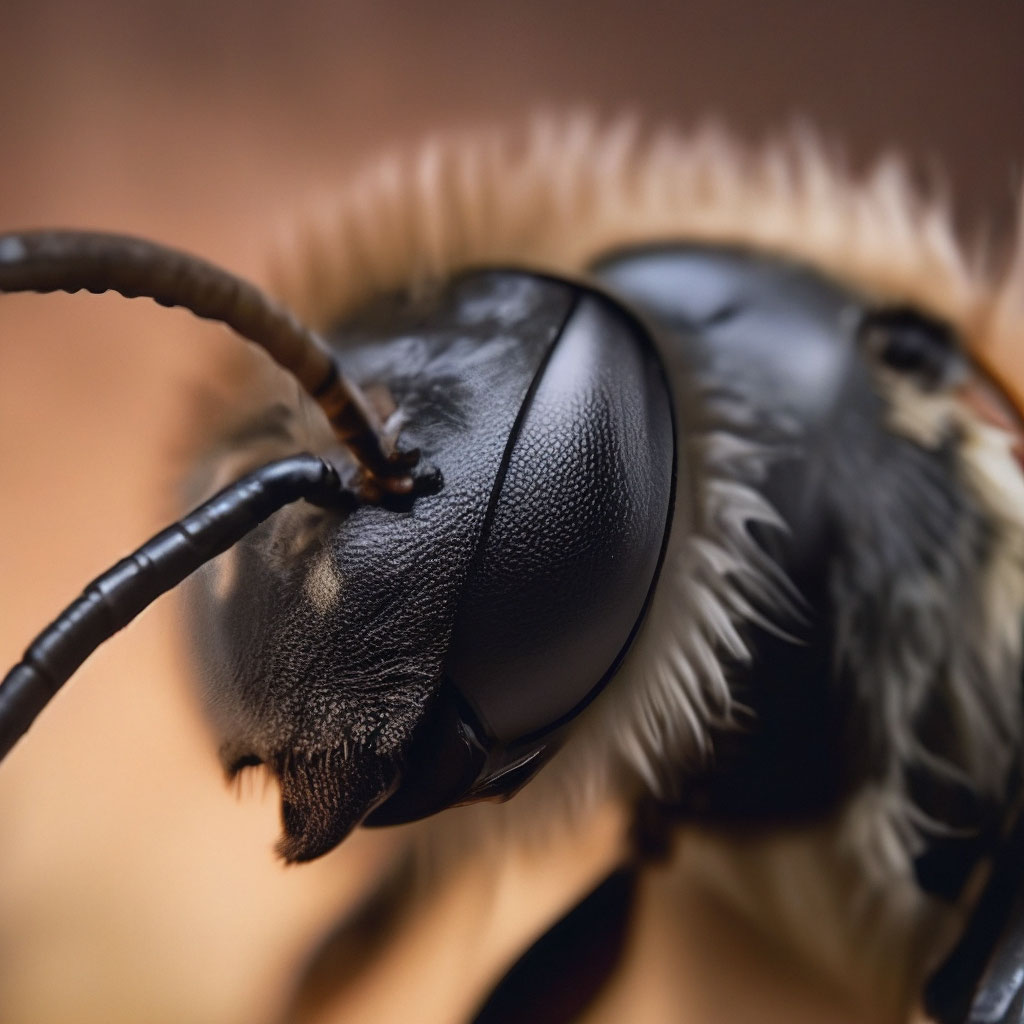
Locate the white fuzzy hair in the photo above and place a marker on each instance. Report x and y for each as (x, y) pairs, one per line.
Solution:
(567, 188)
(554, 196)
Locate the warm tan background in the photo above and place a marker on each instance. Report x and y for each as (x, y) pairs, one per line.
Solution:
(132, 887)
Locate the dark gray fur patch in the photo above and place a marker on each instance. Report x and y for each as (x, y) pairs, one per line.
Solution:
(890, 682)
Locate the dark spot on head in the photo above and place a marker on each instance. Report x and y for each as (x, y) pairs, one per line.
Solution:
(912, 344)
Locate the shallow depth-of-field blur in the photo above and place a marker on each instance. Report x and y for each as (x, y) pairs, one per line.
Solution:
(133, 885)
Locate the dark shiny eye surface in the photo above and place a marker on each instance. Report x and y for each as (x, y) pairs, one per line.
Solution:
(910, 343)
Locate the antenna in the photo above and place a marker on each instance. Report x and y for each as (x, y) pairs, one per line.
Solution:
(112, 600)
(69, 261)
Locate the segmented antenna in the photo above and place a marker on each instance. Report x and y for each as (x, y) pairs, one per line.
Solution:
(112, 600)
(69, 261)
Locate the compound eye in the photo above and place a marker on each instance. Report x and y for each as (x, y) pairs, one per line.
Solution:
(911, 344)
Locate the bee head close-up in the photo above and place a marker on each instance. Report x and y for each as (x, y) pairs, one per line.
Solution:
(603, 535)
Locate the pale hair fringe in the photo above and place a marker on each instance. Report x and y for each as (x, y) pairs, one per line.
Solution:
(563, 189)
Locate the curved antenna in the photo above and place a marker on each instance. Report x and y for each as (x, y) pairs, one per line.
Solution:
(69, 261)
(112, 600)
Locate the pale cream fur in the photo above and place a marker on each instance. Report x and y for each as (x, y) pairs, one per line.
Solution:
(555, 195)
(566, 188)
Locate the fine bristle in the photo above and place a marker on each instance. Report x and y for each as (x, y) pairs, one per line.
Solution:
(563, 190)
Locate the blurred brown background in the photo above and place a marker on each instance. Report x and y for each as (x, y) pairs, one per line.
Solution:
(132, 887)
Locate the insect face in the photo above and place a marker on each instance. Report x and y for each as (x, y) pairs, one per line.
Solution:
(710, 515)
(429, 655)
